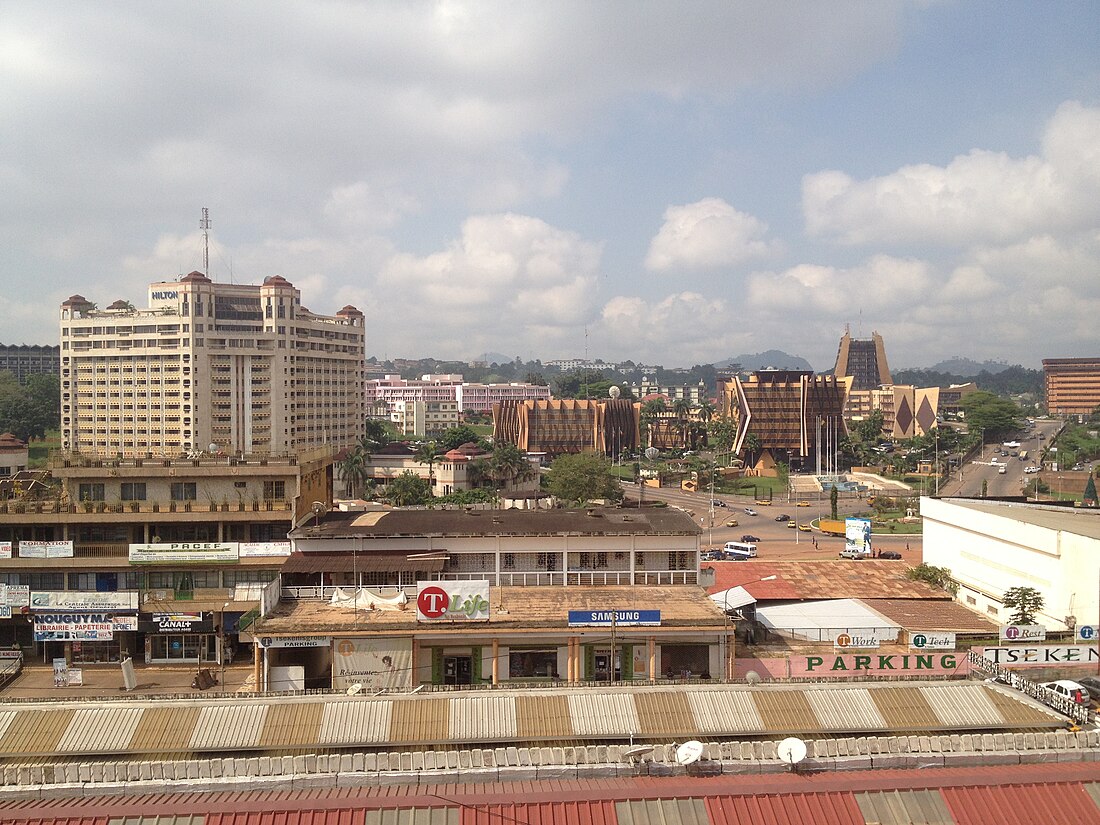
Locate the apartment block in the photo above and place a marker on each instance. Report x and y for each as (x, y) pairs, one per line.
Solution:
(1072, 385)
(229, 368)
(382, 394)
(24, 360)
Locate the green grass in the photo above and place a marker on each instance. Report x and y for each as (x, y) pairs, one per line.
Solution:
(40, 450)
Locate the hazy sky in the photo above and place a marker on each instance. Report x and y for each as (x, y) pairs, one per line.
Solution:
(686, 181)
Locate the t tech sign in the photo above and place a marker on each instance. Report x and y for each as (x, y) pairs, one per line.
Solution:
(452, 601)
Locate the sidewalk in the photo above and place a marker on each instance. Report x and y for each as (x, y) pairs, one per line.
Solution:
(36, 682)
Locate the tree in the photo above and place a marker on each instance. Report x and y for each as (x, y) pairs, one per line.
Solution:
(427, 453)
(457, 436)
(724, 432)
(408, 490)
(28, 410)
(1089, 498)
(706, 410)
(834, 496)
(936, 576)
(1025, 602)
(584, 477)
(996, 417)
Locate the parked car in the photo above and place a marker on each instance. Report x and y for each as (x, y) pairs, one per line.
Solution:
(889, 554)
(782, 517)
(1070, 690)
(853, 553)
(1092, 685)
(731, 523)
(751, 512)
(712, 555)
(749, 538)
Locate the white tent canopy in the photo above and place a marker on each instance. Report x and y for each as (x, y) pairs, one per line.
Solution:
(825, 620)
(733, 598)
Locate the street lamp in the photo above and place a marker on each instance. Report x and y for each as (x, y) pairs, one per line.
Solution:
(726, 612)
(221, 646)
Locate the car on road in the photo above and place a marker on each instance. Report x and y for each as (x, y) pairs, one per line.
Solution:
(763, 502)
(792, 524)
(805, 528)
(717, 503)
(1091, 684)
(751, 512)
(731, 523)
(803, 504)
(1067, 689)
(782, 517)
(748, 538)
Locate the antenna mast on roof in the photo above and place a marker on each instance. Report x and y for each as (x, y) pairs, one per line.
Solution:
(204, 225)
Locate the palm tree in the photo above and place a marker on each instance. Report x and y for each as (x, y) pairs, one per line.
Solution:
(427, 453)
(706, 410)
(353, 467)
(508, 462)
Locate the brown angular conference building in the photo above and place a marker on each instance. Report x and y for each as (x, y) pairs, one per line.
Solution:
(1072, 385)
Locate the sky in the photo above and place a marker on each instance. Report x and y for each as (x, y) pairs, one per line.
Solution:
(671, 183)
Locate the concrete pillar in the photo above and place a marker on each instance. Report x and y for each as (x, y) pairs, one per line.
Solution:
(415, 662)
(496, 661)
(651, 644)
(257, 664)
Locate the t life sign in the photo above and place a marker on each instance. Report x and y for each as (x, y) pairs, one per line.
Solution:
(452, 601)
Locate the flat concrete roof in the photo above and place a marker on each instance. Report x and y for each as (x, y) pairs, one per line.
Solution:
(593, 521)
(1081, 521)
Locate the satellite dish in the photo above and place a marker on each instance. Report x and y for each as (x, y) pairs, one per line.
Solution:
(319, 508)
(212, 447)
(637, 752)
(356, 689)
(614, 392)
(689, 753)
(753, 678)
(791, 750)
(652, 452)
(416, 689)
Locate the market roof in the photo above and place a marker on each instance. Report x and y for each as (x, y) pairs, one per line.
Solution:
(592, 521)
(524, 609)
(917, 614)
(605, 713)
(1082, 521)
(1008, 794)
(839, 579)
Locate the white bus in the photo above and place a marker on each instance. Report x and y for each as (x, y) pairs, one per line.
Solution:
(739, 550)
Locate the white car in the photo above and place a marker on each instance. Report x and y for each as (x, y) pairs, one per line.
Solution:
(1078, 694)
(751, 512)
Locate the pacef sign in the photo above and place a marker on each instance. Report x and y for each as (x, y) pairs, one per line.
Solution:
(184, 552)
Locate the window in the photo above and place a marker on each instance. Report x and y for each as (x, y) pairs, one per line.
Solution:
(508, 561)
(133, 491)
(680, 561)
(183, 491)
(92, 492)
(547, 561)
(274, 490)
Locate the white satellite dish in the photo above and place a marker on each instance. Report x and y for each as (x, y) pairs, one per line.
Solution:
(753, 678)
(689, 753)
(356, 689)
(791, 750)
(637, 752)
(614, 392)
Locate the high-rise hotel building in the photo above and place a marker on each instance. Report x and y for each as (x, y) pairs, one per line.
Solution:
(245, 368)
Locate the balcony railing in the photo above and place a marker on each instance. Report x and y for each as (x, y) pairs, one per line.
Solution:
(138, 507)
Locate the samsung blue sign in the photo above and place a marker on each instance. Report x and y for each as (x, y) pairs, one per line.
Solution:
(620, 618)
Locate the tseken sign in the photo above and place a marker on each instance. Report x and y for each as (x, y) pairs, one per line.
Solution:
(1035, 655)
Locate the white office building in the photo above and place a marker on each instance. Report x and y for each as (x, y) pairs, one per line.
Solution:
(991, 546)
(245, 368)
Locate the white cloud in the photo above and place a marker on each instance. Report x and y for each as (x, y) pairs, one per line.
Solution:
(980, 197)
(705, 234)
(506, 275)
(882, 285)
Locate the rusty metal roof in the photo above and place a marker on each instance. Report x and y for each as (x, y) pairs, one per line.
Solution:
(932, 614)
(835, 579)
(1022, 794)
(618, 712)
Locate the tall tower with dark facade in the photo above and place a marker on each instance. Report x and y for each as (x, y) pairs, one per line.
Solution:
(864, 359)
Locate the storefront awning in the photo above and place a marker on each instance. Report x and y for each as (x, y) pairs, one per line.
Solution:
(361, 562)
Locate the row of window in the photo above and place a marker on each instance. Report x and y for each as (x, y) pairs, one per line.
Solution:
(179, 491)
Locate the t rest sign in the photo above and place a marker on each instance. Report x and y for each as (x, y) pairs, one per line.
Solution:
(452, 601)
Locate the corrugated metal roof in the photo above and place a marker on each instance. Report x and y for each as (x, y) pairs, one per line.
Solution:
(614, 712)
(1055, 803)
(340, 816)
(833, 579)
(410, 816)
(160, 819)
(785, 809)
(904, 808)
(662, 812)
(578, 812)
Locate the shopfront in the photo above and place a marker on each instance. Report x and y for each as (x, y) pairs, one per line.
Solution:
(84, 628)
(180, 638)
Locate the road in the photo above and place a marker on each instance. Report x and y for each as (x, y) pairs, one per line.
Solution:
(777, 541)
(968, 481)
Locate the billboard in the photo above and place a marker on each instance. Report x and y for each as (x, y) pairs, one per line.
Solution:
(1043, 655)
(256, 549)
(857, 535)
(179, 623)
(193, 552)
(452, 601)
(78, 600)
(620, 618)
(80, 627)
(5, 549)
(45, 549)
(376, 664)
(1023, 633)
(931, 640)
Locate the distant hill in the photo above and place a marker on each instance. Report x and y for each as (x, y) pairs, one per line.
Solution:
(771, 358)
(493, 358)
(967, 367)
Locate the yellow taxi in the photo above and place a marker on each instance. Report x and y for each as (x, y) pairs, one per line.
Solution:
(805, 528)
(731, 523)
(792, 524)
(803, 504)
